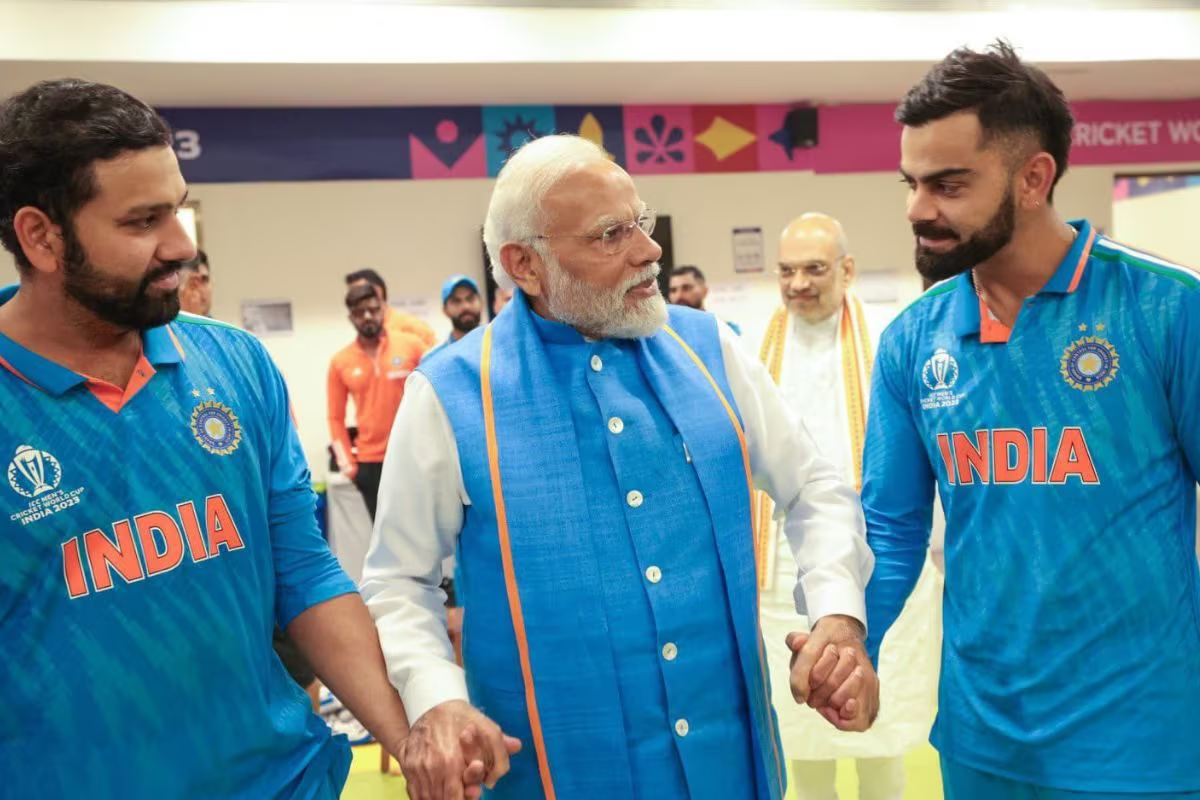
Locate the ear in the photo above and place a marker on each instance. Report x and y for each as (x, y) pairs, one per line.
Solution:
(40, 238)
(518, 260)
(849, 269)
(1035, 180)
(704, 292)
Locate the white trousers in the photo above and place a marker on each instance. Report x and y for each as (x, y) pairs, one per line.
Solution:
(878, 779)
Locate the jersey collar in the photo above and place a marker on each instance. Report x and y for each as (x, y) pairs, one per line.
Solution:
(160, 347)
(969, 309)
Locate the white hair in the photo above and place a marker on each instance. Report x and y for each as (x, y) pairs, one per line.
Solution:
(515, 212)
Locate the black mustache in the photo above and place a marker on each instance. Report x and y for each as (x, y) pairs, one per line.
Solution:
(161, 272)
(928, 231)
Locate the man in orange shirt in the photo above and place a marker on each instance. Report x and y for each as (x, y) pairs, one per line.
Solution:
(372, 370)
(393, 320)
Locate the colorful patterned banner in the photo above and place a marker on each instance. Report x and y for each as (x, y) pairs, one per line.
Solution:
(315, 144)
(1142, 185)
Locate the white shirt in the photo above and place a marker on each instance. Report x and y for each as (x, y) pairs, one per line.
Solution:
(420, 515)
(811, 381)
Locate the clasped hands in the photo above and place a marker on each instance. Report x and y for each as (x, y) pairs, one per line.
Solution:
(453, 750)
(832, 674)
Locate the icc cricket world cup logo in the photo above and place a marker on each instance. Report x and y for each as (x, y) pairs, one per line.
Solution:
(33, 472)
(941, 371)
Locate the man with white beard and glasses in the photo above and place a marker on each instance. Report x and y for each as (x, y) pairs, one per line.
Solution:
(591, 456)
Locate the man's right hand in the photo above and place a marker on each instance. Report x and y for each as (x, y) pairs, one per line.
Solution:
(451, 750)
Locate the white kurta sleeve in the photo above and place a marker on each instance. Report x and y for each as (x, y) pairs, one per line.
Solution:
(419, 516)
(823, 517)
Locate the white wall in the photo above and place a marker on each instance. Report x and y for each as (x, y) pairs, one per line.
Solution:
(1161, 224)
(296, 241)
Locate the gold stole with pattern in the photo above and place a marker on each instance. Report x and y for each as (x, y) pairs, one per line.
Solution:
(857, 359)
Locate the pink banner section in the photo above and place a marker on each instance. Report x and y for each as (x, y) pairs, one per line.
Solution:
(857, 138)
(1136, 133)
(865, 138)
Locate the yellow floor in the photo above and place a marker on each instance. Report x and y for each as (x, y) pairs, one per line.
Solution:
(924, 778)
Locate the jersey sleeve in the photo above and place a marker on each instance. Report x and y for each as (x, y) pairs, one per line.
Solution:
(897, 495)
(1183, 378)
(306, 572)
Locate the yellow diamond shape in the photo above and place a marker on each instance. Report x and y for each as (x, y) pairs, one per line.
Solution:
(724, 138)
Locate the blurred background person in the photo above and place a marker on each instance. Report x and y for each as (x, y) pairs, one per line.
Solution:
(195, 286)
(392, 319)
(372, 370)
(462, 305)
(687, 287)
(819, 350)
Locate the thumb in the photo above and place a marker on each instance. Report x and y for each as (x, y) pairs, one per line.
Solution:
(796, 641)
(512, 744)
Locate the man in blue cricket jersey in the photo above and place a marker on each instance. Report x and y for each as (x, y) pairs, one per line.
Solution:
(1047, 386)
(157, 512)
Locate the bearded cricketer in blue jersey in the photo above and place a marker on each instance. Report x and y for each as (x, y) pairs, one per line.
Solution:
(157, 513)
(1048, 386)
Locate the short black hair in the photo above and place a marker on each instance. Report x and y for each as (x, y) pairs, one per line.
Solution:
(688, 269)
(51, 135)
(357, 294)
(370, 276)
(1010, 97)
(201, 258)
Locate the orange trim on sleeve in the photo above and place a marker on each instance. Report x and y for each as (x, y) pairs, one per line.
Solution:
(510, 576)
(741, 435)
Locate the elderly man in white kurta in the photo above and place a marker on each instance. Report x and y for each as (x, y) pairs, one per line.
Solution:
(818, 347)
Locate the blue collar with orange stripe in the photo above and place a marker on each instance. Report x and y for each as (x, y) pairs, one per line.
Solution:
(158, 344)
(969, 310)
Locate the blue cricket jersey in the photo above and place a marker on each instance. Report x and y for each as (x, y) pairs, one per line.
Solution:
(1065, 454)
(152, 537)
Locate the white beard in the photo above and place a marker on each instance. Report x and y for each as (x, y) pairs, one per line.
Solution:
(604, 312)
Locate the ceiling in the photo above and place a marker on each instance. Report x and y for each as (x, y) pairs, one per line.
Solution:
(874, 5)
(394, 52)
(281, 85)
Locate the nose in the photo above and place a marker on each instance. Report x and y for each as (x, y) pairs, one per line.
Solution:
(175, 245)
(645, 250)
(921, 207)
(800, 282)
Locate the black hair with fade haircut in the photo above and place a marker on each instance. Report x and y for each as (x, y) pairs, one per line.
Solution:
(1010, 98)
(370, 276)
(359, 293)
(688, 269)
(51, 135)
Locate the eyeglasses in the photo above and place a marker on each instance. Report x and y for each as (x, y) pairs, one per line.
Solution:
(813, 269)
(617, 237)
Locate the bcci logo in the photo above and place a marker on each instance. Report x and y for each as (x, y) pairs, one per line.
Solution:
(1089, 364)
(33, 472)
(216, 428)
(940, 372)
